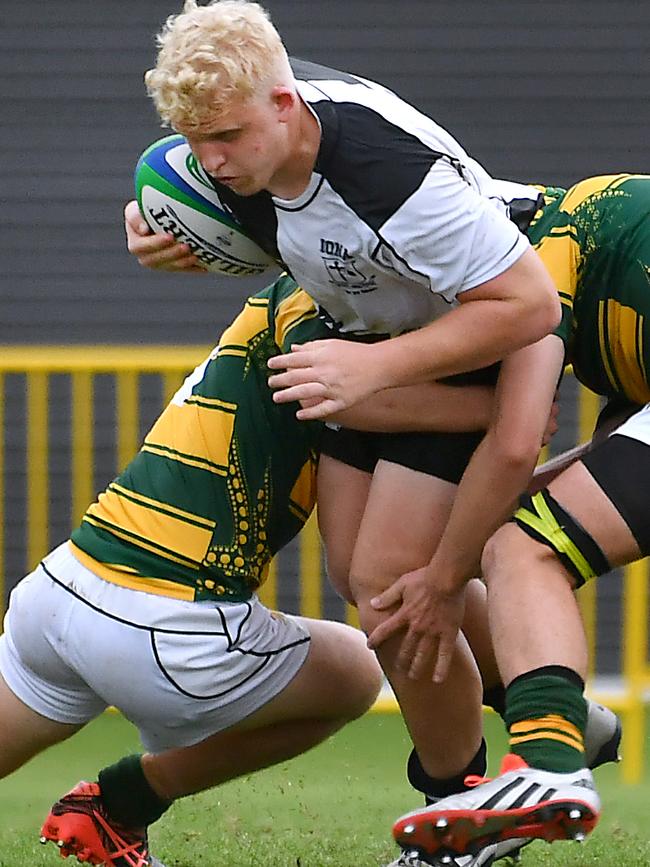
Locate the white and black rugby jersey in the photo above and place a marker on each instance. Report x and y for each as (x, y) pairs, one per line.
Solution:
(396, 220)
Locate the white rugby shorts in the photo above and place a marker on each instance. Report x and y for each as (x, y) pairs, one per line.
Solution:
(180, 671)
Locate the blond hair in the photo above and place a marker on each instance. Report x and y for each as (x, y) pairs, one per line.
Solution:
(211, 57)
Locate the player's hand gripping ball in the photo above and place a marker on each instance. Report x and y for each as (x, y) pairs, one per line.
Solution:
(177, 197)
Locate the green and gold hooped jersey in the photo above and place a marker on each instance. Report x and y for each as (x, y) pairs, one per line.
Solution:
(225, 477)
(595, 241)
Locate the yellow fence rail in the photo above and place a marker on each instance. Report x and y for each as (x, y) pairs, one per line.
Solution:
(82, 364)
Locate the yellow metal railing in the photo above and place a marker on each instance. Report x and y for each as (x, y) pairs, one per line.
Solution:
(82, 364)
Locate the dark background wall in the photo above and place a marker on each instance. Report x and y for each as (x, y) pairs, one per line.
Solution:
(536, 91)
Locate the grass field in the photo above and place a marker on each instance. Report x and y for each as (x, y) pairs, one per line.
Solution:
(330, 808)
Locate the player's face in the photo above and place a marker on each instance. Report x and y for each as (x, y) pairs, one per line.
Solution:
(248, 146)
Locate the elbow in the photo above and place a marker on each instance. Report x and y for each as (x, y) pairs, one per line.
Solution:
(518, 455)
(521, 464)
(552, 313)
(545, 316)
(547, 309)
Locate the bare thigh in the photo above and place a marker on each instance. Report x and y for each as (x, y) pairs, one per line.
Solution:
(342, 496)
(404, 517)
(578, 492)
(25, 733)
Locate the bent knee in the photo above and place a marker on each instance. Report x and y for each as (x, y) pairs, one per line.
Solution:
(338, 577)
(365, 585)
(511, 551)
(498, 548)
(378, 564)
(348, 672)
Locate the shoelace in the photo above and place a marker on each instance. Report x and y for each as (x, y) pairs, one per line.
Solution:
(510, 762)
(123, 849)
(473, 780)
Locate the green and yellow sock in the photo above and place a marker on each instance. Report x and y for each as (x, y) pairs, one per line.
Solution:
(546, 717)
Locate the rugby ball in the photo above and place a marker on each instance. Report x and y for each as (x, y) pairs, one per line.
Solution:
(176, 196)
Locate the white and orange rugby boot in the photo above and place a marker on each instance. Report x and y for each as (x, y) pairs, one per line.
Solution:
(522, 802)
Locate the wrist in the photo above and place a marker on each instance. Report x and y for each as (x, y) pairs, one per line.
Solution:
(448, 577)
(385, 368)
(377, 369)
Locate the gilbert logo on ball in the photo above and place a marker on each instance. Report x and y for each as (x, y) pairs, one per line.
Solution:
(176, 196)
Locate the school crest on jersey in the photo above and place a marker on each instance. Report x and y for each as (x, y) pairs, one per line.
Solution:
(342, 269)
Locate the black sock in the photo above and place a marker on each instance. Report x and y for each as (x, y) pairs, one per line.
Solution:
(128, 797)
(495, 697)
(433, 789)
